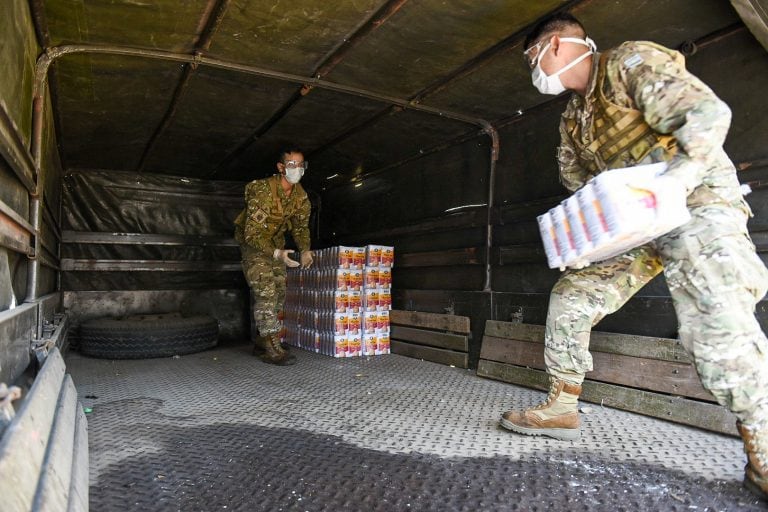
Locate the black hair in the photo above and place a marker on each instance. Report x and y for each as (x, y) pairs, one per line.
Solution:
(286, 149)
(550, 25)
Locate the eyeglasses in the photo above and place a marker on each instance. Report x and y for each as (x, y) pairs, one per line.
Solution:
(293, 164)
(531, 54)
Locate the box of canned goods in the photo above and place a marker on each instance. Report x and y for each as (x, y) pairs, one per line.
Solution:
(355, 279)
(354, 323)
(372, 255)
(382, 323)
(358, 258)
(371, 299)
(340, 345)
(355, 303)
(383, 346)
(340, 323)
(387, 256)
(370, 277)
(370, 344)
(370, 322)
(354, 345)
(385, 277)
(385, 298)
(340, 300)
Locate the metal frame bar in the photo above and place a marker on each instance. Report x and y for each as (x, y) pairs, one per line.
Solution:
(94, 237)
(57, 52)
(80, 265)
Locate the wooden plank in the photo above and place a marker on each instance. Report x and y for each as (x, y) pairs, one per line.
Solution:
(24, 442)
(435, 321)
(676, 409)
(523, 253)
(436, 355)
(16, 217)
(664, 349)
(663, 376)
(435, 339)
(463, 256)
(54, 485)
(78, 488)
(445, 223)
(14, 236)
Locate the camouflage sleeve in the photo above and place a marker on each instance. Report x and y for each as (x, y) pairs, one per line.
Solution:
(256, 194)
(673, 101)
(572, 174)
(300, 224)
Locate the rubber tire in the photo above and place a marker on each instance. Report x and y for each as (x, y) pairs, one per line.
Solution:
(148, 336)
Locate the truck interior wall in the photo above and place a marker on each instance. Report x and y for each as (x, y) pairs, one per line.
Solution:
(126, 234)
(395, 207)
(20, 322)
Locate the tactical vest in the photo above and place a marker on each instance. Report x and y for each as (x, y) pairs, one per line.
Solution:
(276, 214)
(617, 136)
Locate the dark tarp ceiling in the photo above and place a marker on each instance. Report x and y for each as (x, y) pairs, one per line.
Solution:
(128, 113)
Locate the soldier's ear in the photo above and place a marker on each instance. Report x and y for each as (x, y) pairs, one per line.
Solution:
(280, 166)
(554, 44)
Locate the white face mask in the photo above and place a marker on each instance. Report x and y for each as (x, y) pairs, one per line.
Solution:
(551, 84)
(294, 174)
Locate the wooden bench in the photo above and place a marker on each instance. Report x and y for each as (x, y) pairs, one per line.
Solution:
(650, 376)
(431, 336)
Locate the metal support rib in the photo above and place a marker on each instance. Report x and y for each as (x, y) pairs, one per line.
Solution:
(462, 71)
(328, 63)
(210, 23)
(54, 53)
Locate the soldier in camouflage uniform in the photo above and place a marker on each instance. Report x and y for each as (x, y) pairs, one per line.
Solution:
(274, 206)
(637, 104)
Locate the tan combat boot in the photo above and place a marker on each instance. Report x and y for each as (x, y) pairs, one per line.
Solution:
(275, 353)
(557, 417)
(756, 470)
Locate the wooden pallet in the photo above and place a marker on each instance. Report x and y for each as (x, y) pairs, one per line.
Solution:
(431, 336)
(650, 376)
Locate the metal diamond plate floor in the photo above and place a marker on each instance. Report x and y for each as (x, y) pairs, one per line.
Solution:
(219, 430)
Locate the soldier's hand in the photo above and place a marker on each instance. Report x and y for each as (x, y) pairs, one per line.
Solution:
(283, 255)
(307, 258)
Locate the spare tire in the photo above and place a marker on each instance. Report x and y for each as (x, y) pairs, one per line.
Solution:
(147, 336)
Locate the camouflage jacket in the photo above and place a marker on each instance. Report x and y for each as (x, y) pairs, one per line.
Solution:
(269, 213)
(651, 79)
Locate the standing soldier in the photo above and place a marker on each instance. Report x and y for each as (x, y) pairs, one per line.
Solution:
(632, 105)
(273, 206)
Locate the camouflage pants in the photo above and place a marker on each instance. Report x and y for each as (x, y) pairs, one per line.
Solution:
(715, 278)
(266, 278)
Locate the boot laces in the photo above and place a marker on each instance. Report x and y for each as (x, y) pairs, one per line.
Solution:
(550, 396)
(758, 445)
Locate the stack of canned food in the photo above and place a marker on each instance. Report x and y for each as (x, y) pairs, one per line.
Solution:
(340, 307)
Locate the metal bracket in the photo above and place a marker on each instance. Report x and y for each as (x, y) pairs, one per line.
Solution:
(53, 335)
